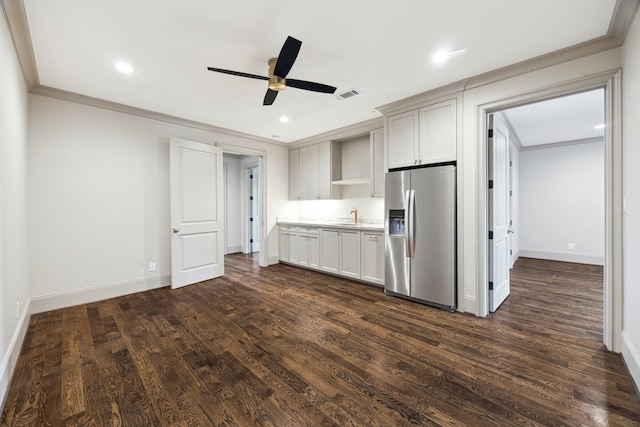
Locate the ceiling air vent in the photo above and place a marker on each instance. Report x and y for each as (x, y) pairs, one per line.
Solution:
(348, 94)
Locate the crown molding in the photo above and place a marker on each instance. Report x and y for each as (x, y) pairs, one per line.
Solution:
(623, 15)
(16, 18)
(622, 19)
(594, 140)
(344, 133)
(134, 111)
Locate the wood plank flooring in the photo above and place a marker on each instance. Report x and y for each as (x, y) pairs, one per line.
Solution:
(281, 346)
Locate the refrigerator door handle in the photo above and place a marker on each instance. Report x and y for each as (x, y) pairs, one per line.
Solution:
(407, 234)
(412, 200)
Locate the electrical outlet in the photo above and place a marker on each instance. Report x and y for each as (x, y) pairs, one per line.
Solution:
(571, 246)
(153, 266)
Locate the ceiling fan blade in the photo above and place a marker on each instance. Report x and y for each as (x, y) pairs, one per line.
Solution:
(314, 87)
(287, 57)
(269, 97)
(238, 73)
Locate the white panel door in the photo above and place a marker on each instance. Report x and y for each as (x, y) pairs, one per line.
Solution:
(499, 259)
(197, 219)
(254, 209)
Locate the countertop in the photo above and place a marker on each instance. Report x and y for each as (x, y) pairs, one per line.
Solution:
(333, 223)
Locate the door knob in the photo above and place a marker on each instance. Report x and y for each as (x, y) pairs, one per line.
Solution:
(175, 229)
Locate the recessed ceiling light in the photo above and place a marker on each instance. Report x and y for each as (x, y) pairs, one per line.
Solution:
(284, 119)
(440, 56)
(443, 55)
(124, 67)
(600, 126)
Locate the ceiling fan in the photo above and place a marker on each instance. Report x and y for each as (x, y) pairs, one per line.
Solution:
(278, 69)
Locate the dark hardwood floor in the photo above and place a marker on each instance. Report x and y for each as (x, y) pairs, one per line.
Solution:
(281, 346)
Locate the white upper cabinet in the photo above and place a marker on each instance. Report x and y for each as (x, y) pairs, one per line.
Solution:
(294, 174)
(377, 162)
(303, 176)
(313, 172)
(325, 165)
(438, 132)
(310, 172)
(402, 139)
(423, 136)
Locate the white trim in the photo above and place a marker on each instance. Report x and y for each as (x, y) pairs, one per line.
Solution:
(263, 257)
(631, 359)
(610, 81)
(87, 295)
(10, 358)
(559, 256)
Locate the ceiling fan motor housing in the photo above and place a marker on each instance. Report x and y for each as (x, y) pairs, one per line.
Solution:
(275, 82)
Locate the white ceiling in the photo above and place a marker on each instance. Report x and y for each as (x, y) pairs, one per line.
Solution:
(566, 119)
(382, 48)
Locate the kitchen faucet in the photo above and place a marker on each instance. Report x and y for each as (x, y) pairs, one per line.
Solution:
(355, 211)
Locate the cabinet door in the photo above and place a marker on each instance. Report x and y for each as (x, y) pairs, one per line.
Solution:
(329, 251)
(350, 253)
(314, 172)
(284, 246)
(324, 157)
(294, 248)
(303, 250)
(314, 251)
(377, 162)
(294, 174)
(438, 133)
(402, 139)
(303, 176)
(373, 257)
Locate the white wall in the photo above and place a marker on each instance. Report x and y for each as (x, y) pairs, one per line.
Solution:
(562, 201)
(99, 199)
(631, 183)
(14, 280)
(233, 218)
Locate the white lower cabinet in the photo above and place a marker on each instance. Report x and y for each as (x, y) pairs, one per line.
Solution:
(309, 246)
(372, 263)
(351, 253)
(289, 244)
(340, 252)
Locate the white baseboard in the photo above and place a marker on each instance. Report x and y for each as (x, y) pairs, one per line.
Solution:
(10, 358)
(559, 256)
(469, 304)
(631, 359)
(274, 259)
(97, 293)
(234, 249)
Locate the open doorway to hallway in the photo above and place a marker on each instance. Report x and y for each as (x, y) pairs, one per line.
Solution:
(242, 175)
(554, 181)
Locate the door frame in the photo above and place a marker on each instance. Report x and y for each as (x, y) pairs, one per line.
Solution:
(611, 83)
(263, 255)
(245, 167)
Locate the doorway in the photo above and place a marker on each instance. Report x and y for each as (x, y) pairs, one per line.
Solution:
(245, 180)
(554, 182)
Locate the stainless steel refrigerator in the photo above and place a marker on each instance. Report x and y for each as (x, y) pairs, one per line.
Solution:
(420, 235)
